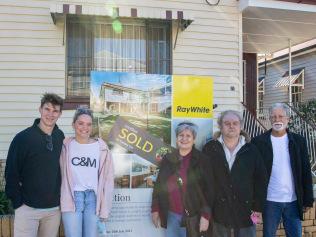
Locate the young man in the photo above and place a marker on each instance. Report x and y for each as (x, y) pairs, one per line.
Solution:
(239, 179)
(33, 175)
(290, 190)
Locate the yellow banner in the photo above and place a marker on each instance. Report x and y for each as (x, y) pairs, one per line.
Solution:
(192, 97)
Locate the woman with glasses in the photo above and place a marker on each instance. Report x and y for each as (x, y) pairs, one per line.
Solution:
(87, 179)
(178, 196)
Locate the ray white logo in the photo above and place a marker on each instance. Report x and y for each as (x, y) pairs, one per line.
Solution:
(84, 161)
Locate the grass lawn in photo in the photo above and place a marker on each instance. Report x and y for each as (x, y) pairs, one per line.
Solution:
(157, 126)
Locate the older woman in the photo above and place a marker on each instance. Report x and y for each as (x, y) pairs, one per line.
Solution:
(180, 180)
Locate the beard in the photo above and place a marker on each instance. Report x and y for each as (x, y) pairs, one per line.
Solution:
(278, 126)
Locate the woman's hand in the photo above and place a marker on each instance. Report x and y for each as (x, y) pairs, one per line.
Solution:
(203, 224)
(155, 219)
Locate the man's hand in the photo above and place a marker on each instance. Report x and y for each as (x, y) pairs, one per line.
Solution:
(203, 224)
(256, 217)
(156, 219)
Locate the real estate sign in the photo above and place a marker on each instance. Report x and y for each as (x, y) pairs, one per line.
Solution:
(136, 114)
(137, 141)
(192, 97)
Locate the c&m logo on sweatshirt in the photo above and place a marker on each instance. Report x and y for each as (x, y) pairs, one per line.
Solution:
(192, 97)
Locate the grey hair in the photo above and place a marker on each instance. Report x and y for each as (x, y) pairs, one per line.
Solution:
(186, 125)
(82, 110)
(226, 112)
(282, 106)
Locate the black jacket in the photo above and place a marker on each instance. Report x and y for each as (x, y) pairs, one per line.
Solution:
(300, 165)
(32, 171)
(194, 196)
(239, 190)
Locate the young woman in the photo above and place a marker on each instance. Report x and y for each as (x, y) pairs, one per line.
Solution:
(87, 179)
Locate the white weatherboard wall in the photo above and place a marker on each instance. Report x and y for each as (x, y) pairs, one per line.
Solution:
(32, 55)
(275, 70)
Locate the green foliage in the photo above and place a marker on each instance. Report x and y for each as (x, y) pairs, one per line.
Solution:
(308, 111)
(163, 151)
(5, 204)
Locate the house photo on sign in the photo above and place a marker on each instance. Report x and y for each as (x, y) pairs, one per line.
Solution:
(136, 114)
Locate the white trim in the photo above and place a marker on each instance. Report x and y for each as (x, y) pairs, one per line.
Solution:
(286, 58)
(124, 11)
(289, 6)
(295, 48)
(241, 64)
(72, 9)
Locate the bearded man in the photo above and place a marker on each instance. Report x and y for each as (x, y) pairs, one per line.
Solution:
(290, 190)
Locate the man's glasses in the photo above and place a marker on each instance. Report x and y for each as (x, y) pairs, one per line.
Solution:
(275, 117)
(49, 144)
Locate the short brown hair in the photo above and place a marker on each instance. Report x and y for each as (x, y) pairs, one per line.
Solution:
(52, 98)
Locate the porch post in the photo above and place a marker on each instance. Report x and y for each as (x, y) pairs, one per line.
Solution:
(290, 72)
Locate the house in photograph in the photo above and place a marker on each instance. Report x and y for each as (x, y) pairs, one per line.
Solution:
(143, 173)
(122, 166)
(118, 99)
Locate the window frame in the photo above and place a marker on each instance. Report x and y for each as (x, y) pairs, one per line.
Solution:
(72, 102)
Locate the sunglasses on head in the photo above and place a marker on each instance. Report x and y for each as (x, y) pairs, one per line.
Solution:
(186, 123)
(49, 144)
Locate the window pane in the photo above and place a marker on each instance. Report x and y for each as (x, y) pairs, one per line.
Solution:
(159, 48)
(296, 94)
(79, 59)
(95, 45)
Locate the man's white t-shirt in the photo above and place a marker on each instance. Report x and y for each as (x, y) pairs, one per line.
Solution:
(84, 165)
(281, 184)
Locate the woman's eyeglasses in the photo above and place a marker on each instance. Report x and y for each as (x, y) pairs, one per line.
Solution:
(49, 144)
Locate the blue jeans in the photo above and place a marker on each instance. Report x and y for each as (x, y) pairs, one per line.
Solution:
(273, 211)
(82, 222)
(223, 231)
(173, 226)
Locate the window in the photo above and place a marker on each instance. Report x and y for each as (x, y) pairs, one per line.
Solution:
(296, 94)
(154, 108)
(260, 90)
(295, 81)
(93, 44)
(297, 89)
(117, 92)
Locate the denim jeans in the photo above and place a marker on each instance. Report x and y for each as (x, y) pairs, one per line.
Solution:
(273, 211)
(173, 226)
(82, 222)
(222, 231)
